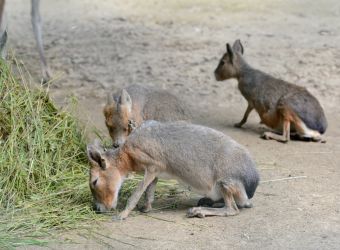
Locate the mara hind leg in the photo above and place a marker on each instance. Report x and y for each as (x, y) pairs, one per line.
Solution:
(285, 137)
(241, 197)
(305, 134)
(301, 131)
(230, 208)
(287, 117)
(274, 118)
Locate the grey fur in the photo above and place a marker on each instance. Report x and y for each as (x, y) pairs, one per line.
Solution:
(196, 153)
(270, 97)
(157, 104)
(145, 104)
(207, 160)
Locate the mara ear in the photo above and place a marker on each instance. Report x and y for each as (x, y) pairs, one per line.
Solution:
(125, 100)
(110, 99)
(238, 47)
(94, 154)
(110, 107)
(230, 53)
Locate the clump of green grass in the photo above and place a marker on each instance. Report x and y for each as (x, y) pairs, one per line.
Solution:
(43, 166)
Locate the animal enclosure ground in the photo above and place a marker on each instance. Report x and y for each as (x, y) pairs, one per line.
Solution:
(97, 46)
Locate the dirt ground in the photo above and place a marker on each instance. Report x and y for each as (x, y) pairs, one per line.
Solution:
(94, 47)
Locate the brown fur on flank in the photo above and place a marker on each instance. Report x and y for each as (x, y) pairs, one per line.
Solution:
(131, 106)
(281, 105)
(213, 164)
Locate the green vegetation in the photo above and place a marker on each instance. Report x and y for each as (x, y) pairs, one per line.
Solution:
(43, 167)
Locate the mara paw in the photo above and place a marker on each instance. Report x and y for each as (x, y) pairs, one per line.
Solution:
(195, 212)
(238, 125)
(145, 208)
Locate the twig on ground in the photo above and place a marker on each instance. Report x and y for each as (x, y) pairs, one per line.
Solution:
(284, 179)
(157, 218)
(111, 238)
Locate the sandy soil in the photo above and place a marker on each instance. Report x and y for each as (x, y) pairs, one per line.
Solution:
(94, 47)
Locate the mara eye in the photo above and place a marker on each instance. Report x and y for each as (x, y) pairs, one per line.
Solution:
(221, 63)
(95, 182)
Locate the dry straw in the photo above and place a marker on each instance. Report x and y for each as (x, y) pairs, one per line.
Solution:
(43, 168)
(43, 165)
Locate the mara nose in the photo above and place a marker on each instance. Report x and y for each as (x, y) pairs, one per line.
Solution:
(217, 76)
(100, 208)
(95, 208)
(118, 142)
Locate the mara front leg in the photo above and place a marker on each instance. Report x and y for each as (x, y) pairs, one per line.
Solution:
(149, 196)
(134, 198)
(245, 116)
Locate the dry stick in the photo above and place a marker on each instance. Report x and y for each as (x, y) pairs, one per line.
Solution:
(284, 179)
(111, 238)
(157, 218)
(138, 237)
(172, 221)
(315, 152)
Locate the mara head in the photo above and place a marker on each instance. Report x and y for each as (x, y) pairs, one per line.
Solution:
(229, 64)
(117, 117)
(105, 176)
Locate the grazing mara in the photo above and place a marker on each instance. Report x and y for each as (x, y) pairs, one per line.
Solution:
(213, 164)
